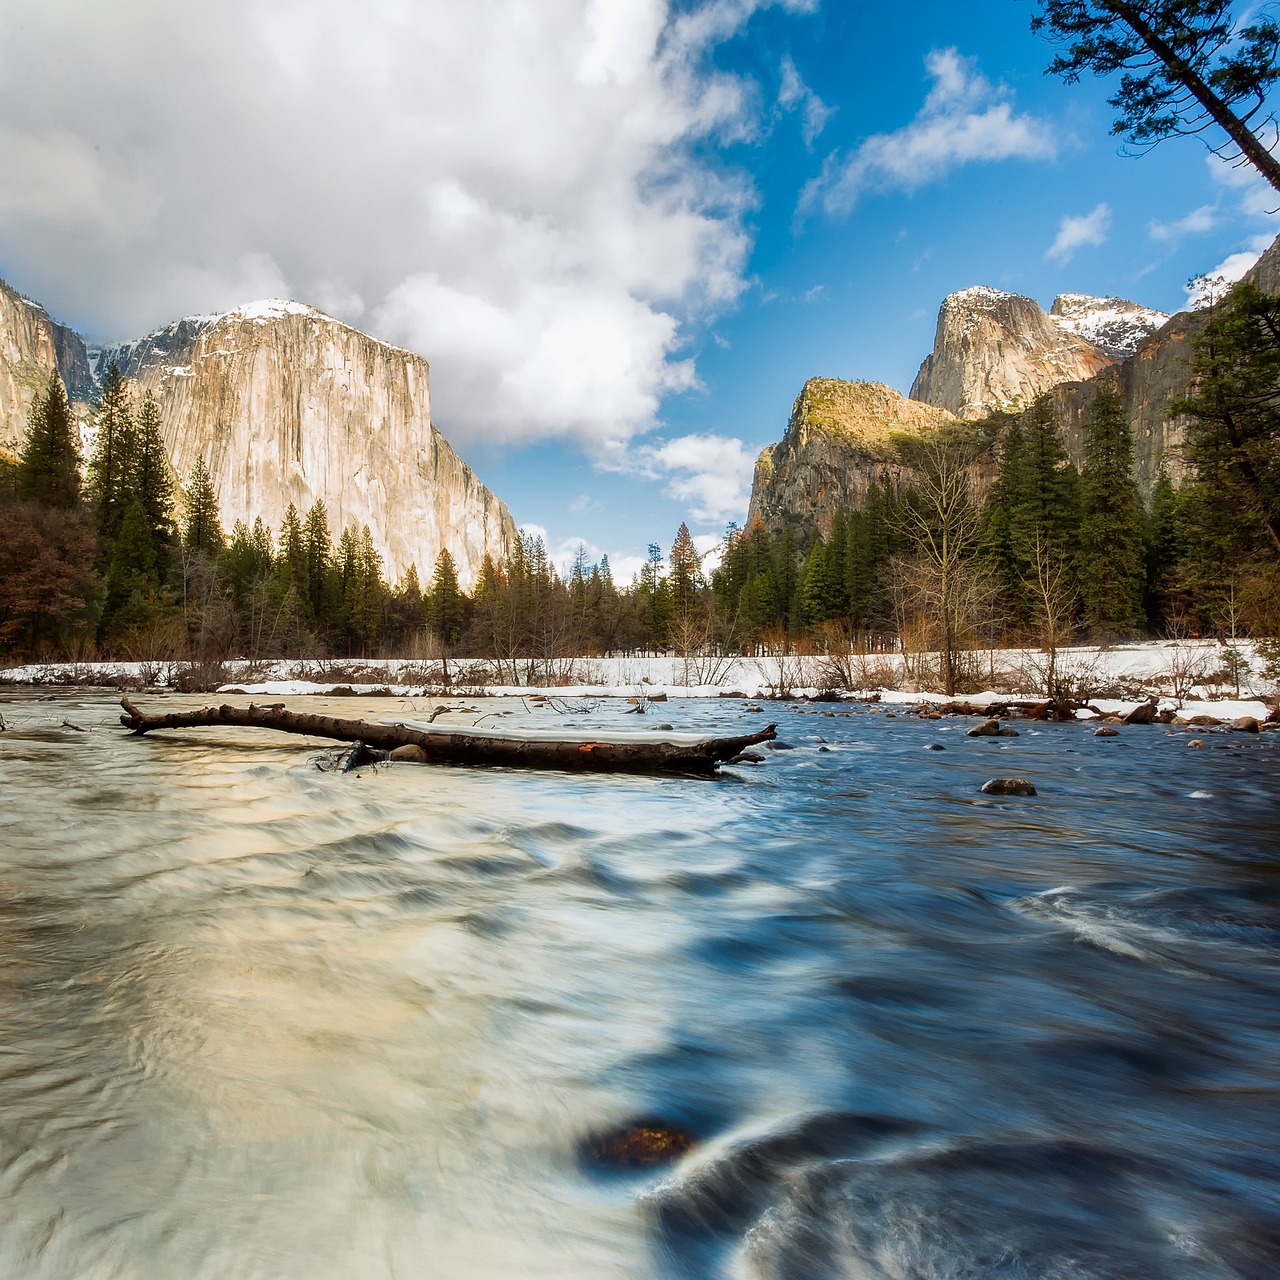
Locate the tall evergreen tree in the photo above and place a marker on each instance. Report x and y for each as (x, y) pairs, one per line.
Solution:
(1233, 437)
(1110, 564)
(110, 474)
(447, 607)
(323, 597)
(49, 461)
(202, 529)
(152, 480)
(685, 578)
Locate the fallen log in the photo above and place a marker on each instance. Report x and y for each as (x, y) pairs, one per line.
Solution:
(466, 747)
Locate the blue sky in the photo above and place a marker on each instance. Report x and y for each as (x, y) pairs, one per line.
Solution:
(623, 233)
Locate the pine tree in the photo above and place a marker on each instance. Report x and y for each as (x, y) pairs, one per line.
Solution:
(1233, 437)
(1110, 565)
(49, 461)
(202, 529)
(323, 595)
(685, 579)
(112, 464)
(447, 607)
(132, 576)
(151, 479)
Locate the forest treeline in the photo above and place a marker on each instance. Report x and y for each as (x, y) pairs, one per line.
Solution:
(112, 560)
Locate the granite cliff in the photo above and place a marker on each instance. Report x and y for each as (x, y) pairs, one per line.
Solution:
(286, 404)
(839, 440)
(31, 345)
(995, 350)
(1157, 373)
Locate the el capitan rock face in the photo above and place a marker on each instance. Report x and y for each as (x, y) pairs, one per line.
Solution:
(839, 440)
(286, 404)
(31, 346)
(994, 350)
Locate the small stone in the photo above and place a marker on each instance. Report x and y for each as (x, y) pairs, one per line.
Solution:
(935, 746)
(665, 728)
(1245, 724)
(1195, 742)
(410, 753)
(1009, 787)
(1105, 732)
(987, 729)
(1204, 720)
(1113, 719)
(1008, 733)
(824, 748)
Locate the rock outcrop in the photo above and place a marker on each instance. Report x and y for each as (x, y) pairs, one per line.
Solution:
(31, 346)
(839, 441)
(1157, 373)
(1115, 326)
(995, 350)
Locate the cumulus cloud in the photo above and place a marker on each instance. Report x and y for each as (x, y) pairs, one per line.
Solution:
(711, 473)
(518, 192)
(1229, 270)
(1077, 230)
(1198, 221)
(964, 119)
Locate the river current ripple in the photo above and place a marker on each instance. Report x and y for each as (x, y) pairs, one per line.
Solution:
(259, 1020)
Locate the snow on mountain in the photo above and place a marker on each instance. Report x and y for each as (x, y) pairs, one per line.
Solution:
(1114, 325)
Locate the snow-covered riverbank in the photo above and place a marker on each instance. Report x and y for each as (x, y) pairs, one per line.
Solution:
(1196, 677)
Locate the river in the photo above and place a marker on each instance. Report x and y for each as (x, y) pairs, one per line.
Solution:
(264, 1020)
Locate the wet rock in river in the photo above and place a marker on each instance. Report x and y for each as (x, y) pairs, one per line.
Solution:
(1105, 732)
(1245, 724)
(410, 753)
(987, 729)
(639, 1144)
(1009, 787)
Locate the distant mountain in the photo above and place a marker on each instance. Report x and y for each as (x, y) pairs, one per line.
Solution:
(996, 350)
(1113, 325)
(286, 404)
(992, 351)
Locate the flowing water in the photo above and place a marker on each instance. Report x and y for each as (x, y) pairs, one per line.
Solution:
(265, 1020)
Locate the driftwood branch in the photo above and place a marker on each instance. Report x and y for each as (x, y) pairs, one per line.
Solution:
(603, 756)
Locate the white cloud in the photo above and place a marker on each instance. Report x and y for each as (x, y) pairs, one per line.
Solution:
(795, 95)
(1077, 230)
(1255, 197)
(1196, 222)
(711, 473)
(1230, 269)
(964, 119)
(520, 192)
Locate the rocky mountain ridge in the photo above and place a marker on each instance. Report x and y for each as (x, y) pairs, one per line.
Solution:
(997, 351)
(1115, 326)
(285, 404)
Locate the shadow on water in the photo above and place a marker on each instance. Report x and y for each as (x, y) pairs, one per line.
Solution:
(845, 1017)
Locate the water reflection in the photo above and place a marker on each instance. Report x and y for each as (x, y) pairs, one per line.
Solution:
(265, 1021)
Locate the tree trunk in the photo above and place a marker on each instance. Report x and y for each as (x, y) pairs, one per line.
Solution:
(468, 748)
